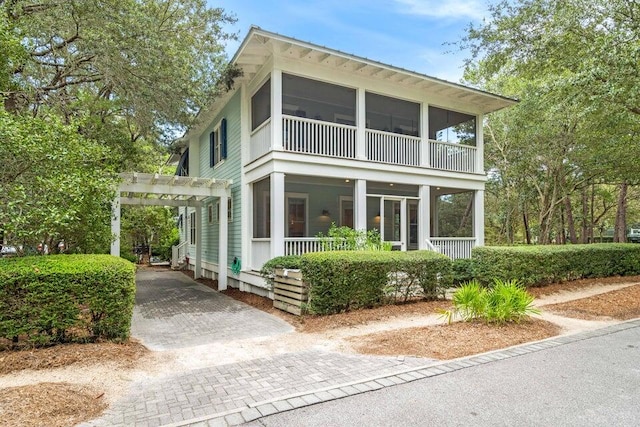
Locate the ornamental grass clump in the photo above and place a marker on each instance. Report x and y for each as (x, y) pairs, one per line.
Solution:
(505, 301)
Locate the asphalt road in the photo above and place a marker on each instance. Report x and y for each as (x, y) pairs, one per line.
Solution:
(594, 382)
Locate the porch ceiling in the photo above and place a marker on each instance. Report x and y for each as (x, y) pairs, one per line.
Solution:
(168, 190)
(260, 45)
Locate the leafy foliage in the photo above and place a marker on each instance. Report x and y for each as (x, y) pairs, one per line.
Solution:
(505, 301)
(346, 280)
(541, 265)
(62, 298)
(347, 239)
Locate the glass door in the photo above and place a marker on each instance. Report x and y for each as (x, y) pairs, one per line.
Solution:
(393, 222)
(412, 224)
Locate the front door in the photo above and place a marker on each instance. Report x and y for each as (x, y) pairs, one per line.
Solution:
(393, 223)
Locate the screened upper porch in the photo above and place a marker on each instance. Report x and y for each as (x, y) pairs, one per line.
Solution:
(318, 118)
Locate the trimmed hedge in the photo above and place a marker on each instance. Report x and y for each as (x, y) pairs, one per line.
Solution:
(541, 265)
(344, 280)
(53, 299)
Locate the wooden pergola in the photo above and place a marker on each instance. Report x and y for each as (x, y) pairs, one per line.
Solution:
(144, 189)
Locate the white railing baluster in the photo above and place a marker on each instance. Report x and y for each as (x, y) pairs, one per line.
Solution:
(452, 157)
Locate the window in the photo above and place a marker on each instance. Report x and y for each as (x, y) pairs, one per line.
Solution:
(262, 209)
(312, 99)
(210, 213)
(229, 210)
(392, 115)
(261, 105)
(346, 211)
(192, 228)
(452, 126)
(218, 143)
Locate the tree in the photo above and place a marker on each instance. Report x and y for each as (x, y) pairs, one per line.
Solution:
(580, 57)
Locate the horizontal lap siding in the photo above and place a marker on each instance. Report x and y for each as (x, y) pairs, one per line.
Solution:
(229, 169)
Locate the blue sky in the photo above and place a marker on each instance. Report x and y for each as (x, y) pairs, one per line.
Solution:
(405, 33)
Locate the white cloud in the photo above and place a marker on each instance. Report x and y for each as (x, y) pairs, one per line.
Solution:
(474, 9)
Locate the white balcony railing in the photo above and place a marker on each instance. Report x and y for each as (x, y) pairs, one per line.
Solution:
(454, 247)
(452, 157)
(302, 135)
(260, 141)
(301, 245)
(393, 148)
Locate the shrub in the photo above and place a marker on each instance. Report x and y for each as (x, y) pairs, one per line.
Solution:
(344, 280)
(541, 265)
(506, 301)
(347, 239)
(62, 298)
(462, 270)
(287, 261)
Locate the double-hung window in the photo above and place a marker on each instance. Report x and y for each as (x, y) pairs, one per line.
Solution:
(218, 143)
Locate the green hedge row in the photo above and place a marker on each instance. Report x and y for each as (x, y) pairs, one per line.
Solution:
(344, 280)
(541, 265)
(52, 299)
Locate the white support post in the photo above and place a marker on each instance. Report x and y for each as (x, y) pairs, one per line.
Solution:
(276, 110)
(278, 214)
(197, 270)
(478, 217)
(360, 204)
(403, 229)
(480, 144)
(424, 221)
(361, 123)
(115, 226)
(424, 135)
(223, 243)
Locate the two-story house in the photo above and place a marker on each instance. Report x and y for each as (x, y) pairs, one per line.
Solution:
(311, 136)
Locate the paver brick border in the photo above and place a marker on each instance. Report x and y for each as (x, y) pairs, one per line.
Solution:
(257, 410)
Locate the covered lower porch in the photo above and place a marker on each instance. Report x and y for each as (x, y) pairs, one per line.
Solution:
(289, 211)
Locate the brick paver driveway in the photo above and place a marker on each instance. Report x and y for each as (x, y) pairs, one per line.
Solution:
(172, 311)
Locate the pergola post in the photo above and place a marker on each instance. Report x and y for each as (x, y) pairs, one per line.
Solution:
(197, 270)
(222, 242)
(115, 226)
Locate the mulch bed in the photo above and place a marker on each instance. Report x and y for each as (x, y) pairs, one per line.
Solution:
(49, 404)
(623, 304)
(126, 355)
(458, 339)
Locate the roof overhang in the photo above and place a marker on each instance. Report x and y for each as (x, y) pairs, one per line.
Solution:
(145, 189)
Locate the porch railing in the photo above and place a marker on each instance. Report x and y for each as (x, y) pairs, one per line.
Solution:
(260, 140)
(179, 253)
(303, 135)
(260, 252)
(386, 147)
(301, 245)
(452, 157)
(454, 247)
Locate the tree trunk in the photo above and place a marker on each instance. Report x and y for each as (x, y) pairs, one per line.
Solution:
(620, 230)
(573, 238)
(527, 232)
(584, 233)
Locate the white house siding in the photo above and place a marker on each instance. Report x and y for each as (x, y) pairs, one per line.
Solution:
(230, 168)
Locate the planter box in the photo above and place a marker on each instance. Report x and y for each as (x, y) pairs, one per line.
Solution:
(289, 291)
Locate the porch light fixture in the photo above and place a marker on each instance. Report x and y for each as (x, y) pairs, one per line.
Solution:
(325, 212)
(346, 180)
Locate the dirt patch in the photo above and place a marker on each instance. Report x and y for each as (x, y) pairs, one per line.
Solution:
(49, 404)
(125, 355)
(460, 339)
(623, 304)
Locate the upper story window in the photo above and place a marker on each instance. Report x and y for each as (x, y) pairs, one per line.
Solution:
(312, 99)
(452, 126)
(261, 105)
(218, 143)
(392, 115)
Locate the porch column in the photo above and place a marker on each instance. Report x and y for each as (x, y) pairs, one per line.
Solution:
(360, 204)
(223, 237)
(197, 269)
(424, 222)
(424, 135)
(478, 217)
(115, 226)
(278, 214)
(276, 110)
(479, 145)
(361, 123)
